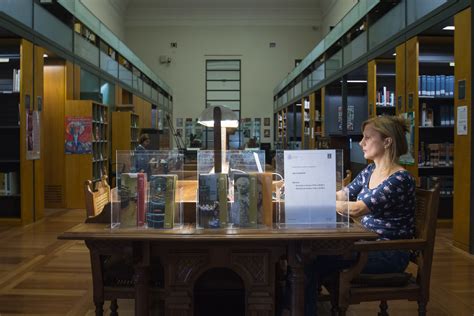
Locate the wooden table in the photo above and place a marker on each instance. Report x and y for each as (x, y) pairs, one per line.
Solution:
(186, 253)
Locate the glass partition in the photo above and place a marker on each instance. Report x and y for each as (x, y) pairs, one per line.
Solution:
(85, 49)
(308, 189)
(317, 75)
(240, 196)
(108, 64)
(390, 24)
(150, 190)
(48, 25)
(355, 48)
(20, 10)
(334, 63)
(420, 8)
(125, 75)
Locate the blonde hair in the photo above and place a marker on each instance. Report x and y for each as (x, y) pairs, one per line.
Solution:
(394, 127)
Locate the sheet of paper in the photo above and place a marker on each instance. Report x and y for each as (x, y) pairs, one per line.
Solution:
(310, 186)
(462, 120)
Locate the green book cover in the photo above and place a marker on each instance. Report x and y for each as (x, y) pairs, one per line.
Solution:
(223, 208)
(252, 200)
(170, 200)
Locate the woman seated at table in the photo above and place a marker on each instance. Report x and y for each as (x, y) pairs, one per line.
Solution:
(383, 195)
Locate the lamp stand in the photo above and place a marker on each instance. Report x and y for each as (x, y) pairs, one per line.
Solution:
(217, 115)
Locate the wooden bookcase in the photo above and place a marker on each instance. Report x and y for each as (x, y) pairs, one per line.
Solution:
(125, 132)
(281, 129)
(305, 122)
(429, 95)
(381, 87)
(19, 177)
(82, 167)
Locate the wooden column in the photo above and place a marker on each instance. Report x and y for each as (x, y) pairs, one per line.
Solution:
(400, 91)
(372, 88)
(463, 208)
(38, 106)
(412, 72)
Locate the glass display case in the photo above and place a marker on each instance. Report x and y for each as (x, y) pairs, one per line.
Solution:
(149, 194)
(308, 189)
(240, 196)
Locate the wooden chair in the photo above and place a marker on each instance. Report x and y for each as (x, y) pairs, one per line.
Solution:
(96, 197)
(354, 288)
(347, 179)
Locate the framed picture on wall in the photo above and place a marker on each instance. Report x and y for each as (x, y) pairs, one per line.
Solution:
(179, 122)
(266, 133)
(266, 121)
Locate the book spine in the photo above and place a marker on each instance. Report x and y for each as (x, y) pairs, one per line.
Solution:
(170, 201)
(253, 200)
(141, 199)
(223, 207)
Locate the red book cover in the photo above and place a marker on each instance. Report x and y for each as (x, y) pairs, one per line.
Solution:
(141, 199)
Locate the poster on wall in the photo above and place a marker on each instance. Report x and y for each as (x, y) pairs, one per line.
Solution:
(33, 134)
(78, 135)
(409, 157)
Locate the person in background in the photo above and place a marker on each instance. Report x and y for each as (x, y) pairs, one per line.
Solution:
(382, 195)
(141, 158)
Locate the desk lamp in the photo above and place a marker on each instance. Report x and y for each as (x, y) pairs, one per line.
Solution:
(219, 117)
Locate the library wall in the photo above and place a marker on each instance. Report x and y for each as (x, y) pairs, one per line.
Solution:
(262, 67)
(335, 11)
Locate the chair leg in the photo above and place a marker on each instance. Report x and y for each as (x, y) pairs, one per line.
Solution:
(421, 308)
(99, 308)
(383, 308)
(113, 307)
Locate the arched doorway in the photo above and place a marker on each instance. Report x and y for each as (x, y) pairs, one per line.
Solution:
(219, 291)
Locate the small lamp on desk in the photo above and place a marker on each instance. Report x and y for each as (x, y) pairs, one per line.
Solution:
(219, 117)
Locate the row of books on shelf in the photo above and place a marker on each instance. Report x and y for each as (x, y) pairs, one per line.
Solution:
(436, 155)
(445, 112)
(436, 85)
(385, 97)
(9, 183)
(16, 80)
(445, 184)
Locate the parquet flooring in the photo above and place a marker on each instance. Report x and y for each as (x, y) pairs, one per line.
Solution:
(41, 275)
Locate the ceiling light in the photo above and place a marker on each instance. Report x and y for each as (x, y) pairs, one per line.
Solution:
(394, 54)
(451, 63)
(356, 81)
(449, 28)
(4, 60)
(45, 55)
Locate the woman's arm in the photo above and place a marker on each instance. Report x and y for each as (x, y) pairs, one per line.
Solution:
(355, 209)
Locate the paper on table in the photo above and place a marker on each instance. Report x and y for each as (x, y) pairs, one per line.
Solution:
(310, 186)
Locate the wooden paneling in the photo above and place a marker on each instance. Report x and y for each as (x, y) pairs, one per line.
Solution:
(73, 81)
(56, 87)
(462, 143)
(372, 88)
(39, 164)
(26, 99)
(412, 72)
(78, 168)
(143, 109)
(400, 91)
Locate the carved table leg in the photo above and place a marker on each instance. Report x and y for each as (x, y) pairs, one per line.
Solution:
(113, 307)
(141, 253)
(297, 281)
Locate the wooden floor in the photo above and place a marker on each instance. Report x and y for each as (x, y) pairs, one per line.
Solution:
(40, 275)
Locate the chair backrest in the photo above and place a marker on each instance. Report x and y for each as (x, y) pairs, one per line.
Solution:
(347, 179)
(426, 215)
(96, 198)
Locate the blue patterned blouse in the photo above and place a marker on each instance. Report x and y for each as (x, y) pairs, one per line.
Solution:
(391, 203)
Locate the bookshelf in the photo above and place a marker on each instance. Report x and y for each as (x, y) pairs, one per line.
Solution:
(18, 183)
(281, 134)
(306, 122)
(381, 87)
(84, 161)
(125, 132)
